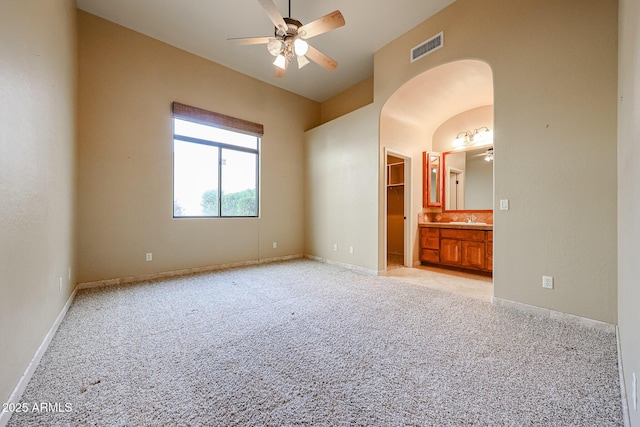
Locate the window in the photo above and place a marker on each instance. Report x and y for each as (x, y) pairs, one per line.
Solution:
(215, 164)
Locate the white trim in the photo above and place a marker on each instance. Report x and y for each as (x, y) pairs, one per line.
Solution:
(623, 389)
(345, 265)
(183, 272)
(16, 395)
(552, 314)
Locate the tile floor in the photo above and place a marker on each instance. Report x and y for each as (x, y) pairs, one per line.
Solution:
(460, 283)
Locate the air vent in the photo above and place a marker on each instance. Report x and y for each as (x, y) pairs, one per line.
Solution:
(425, 48)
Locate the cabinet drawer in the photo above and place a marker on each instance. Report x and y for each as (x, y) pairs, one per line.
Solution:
(451, 233)
(429, 238)
(429, 255)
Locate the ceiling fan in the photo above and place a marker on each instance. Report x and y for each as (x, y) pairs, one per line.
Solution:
(488, 154)
(290, 37)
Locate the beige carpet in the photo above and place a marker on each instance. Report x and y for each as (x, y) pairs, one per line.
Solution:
(306, 343)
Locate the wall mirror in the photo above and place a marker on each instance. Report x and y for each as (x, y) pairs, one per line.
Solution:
(468, 179)
(432, 185)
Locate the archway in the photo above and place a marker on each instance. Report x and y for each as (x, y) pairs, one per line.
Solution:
(412, 114)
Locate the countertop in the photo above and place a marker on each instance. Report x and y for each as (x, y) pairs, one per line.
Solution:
(457, 226)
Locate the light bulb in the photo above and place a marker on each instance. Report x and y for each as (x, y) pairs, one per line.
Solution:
(280, 62)
(301, 47)
(274, 47)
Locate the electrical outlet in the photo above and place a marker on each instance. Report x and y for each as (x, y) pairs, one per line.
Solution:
(634, 391)
(335, 246)
(547, 282)
(149, 256)
(275, 245)
(504, 204)
(351, 250)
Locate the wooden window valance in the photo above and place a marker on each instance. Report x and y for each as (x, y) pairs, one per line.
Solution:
(205, 117)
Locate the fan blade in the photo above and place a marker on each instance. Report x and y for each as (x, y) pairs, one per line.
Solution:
(322, 25)
(251, 40)
(274, 15)
(321, 59)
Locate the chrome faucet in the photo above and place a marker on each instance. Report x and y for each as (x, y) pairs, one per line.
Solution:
(471, 219)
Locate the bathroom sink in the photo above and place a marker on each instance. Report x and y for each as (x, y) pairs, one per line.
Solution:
(468, 223)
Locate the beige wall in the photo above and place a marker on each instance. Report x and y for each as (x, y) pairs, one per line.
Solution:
(629, 195)
(127, 83)
(554, 70)
(37, 167)
(341, 198)
(355, 97)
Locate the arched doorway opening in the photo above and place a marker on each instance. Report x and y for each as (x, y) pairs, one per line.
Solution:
(420, 116)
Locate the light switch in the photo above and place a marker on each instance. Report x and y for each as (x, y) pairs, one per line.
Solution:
(504, 204)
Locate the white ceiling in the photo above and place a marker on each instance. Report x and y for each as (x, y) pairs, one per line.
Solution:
(202, 27)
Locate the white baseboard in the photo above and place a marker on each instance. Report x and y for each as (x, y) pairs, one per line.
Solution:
(16, 395)
(551, 314)
(623, 389)
(182, 272)
(345, 265)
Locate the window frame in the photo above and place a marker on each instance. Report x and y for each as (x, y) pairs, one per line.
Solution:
(220, 121)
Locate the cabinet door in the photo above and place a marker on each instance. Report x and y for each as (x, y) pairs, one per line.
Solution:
(450, 251)
(473, 254)
(431, 179)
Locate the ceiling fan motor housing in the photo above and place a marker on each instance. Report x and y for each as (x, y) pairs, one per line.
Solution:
(292, 29)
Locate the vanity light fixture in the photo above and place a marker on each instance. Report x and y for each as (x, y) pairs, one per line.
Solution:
(480, 136)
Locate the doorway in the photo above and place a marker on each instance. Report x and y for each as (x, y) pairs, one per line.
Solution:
(411, 121)
(398, 204)
(455, 184)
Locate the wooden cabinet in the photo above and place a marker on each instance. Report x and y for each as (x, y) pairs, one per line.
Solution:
(431, 180)
(450, 251)
(469, 249)
(489, 249)
(473, 254)
(429, 244)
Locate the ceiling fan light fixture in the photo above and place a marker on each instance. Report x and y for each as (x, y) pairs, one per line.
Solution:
(300, 47)
(280, 62)
(302, 61)
(274, 47)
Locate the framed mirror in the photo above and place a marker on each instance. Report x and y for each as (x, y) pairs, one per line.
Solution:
(431, 179)
(468, 179)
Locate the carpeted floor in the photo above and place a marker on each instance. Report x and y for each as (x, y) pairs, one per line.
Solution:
(306, 343)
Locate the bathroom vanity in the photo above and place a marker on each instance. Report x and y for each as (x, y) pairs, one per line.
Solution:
(460, 245)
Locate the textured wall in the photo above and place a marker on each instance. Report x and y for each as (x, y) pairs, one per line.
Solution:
(37, 172)
(555, 79)
(355, 97)
(341, 198)
(127, 83)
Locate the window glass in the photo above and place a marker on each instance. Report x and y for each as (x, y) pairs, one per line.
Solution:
(215, 172)
(214, 134)
(195, 179)
(239, 183)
